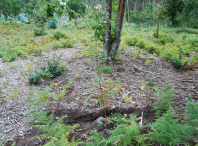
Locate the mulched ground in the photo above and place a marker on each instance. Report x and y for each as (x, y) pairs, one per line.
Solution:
(130, 72)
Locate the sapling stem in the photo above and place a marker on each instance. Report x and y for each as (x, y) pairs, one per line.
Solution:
(100, 87)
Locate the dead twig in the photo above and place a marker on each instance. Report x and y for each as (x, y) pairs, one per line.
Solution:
(139, 69)
(186, 89)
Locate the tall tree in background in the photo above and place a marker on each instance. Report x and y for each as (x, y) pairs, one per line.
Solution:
(158, 20)
(75, 9)
(172, 8)
(31, 5)
(11, 8)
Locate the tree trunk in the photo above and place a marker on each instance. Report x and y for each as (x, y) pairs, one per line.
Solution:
(128, 9)
(143, 6)
(158, 21)
(117, 40)
(107, 35)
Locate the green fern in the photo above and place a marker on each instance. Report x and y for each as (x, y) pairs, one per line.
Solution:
(167, 131)
(56, 131)
(164, 98)
(37, 115)
(192, 114)
(15, 93)
(124, 134)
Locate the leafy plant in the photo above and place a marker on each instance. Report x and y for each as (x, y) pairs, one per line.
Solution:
(124, 134)
(143, 84)
(126, 97)
(53, 67)
(191, 114)
(15, 93)
(53, 23)
(40, 18)
(58, 35)
(148, 62)
(167, 131)
(57, 132)
(150, 80)
(164, 98)
(177, 62)
(2, 71)
(35, 77)
(42, 94)
(104, 69)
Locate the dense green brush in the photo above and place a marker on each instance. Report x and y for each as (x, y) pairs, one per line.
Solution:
(57, 132)
(167, 130)
(192, 114)
(126, 133)
(164, 98)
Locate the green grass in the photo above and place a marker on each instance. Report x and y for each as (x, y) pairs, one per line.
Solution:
(167, 45)
(18, 41)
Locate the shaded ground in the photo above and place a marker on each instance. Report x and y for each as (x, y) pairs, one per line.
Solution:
(129, 71)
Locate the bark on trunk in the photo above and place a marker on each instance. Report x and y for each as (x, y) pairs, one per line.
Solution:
(117, 40)
(107, 35)
(143, 6)
(128, 9)
(158, 21)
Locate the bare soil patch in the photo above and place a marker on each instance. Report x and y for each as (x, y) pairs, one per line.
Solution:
(129, 72)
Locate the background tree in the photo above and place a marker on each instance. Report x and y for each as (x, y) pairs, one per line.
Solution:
(112, 45)
(11, 8)
(173, 7)
(75, 9)
(31, 5)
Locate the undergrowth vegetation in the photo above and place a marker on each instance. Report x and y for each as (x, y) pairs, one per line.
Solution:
(177, 46)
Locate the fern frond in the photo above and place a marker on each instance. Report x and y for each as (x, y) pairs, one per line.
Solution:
(95, 136)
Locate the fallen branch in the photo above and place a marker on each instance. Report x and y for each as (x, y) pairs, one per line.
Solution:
(186, 89)
(136, 68)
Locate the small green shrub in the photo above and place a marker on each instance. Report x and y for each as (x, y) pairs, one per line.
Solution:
(50, 69)
(129, 40)
(35, 77)
(39, 32)
(67, 44)
(58, 35)
(177, 61)
(150, 80)
(8, 54)
(53, 66)
(141, 43)
(55, 45)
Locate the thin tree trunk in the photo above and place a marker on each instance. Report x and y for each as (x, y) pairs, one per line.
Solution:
(158, 21)
(128, 9)
(117, 40)
(107, 35)
(143, 6)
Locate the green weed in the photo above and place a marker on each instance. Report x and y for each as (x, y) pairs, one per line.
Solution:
(163, 98)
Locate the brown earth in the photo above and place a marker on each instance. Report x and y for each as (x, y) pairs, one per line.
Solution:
(128, 70)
